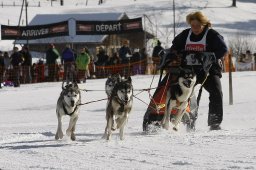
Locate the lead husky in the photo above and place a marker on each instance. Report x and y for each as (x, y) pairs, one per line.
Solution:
(111, 82)
(178, 98)
(68, 104)
(118, 107)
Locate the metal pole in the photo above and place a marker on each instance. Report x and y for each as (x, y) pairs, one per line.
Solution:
(145, 39)
(230, 78)
(21, 11)
(174, 24)
(26, 9)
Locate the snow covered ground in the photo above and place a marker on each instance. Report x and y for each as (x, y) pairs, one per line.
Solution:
(28, 124)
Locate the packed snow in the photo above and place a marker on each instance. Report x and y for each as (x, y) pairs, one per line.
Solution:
(28, 125)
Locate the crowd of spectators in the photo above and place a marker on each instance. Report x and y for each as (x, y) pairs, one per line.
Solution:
(16, 67)
(247, 57)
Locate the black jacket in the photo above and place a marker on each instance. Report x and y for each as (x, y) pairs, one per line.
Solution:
(156, 51)
(51, 56)
(16, 59)
(2, 61)
(27, 58)
(214, 43)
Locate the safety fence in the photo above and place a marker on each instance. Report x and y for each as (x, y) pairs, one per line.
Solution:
(41, 72)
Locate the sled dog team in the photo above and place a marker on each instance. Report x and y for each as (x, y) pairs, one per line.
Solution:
(119, 104)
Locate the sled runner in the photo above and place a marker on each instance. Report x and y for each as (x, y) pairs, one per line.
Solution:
(200, 62)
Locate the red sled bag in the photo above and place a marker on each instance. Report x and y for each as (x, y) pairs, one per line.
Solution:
(156, 108)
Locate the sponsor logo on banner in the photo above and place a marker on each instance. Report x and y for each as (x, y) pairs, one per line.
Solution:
(34, 32)
(108, 27)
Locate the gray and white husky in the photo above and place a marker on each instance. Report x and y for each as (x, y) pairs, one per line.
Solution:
(111, 82)
(178, 97)
(118, 108)
(68, 104)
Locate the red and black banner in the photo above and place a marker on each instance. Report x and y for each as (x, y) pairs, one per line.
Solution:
(34, 32)
(108, 27)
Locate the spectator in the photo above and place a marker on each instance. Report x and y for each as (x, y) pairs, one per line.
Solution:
(125, 52)
(102, 57)
(248, 56)
(40, 70)
(156, 50)
(91, 59)
(34, 73)
(136, 56)
(1, 68)
(254, 57)
(82, 62)
(51, 56)
(26, 65)
(7, 61)
(68, 59)
(113, 60)
(16, 61)
(241, 58)
(7, 66)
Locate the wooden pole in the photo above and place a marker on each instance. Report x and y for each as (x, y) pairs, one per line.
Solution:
(230, 78)
(234, 3)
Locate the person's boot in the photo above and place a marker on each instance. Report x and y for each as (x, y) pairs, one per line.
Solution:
(215, 127)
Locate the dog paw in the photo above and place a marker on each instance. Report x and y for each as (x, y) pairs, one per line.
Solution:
(56, 137)
(73, 137)
(59, 135)
(175, 128)
(165, 126)
(108, 137)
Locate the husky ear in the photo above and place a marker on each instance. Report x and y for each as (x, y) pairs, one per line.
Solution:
(129, 79)
(119, 76)
(119, 79)
(75, 85)
(63, 88)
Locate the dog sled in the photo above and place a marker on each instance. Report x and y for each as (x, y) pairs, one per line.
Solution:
(200, 63)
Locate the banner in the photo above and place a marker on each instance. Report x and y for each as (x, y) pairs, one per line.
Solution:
(108, 27)
(34, 32)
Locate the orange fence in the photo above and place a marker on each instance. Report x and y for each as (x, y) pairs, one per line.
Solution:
(123, 69)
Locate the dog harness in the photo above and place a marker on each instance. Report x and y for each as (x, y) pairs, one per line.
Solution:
(66, 112)
(175, 110)
(199, 46)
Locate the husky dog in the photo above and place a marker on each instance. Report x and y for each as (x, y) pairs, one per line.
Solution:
(178, 98)
(111, 82)
(68, 104)
(118, 108)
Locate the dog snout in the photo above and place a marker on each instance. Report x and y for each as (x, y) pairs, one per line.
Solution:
(72, 103)
(189, 82)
